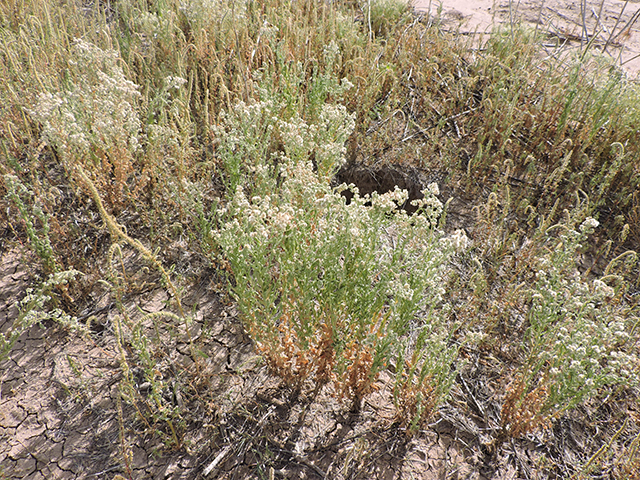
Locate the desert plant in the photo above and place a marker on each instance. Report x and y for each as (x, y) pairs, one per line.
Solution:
(382, 15)
(36, 307)
(578, 337)
(30, 212)
(217, 127)
(330, 291)
(93, 121)
(325, 293)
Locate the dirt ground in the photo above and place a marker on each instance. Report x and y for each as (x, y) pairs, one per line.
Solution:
(62, 413)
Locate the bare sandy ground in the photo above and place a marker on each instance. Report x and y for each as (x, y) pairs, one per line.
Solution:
(611, 26)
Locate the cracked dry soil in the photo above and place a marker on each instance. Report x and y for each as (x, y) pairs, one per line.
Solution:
(59, 414)
(62, 413)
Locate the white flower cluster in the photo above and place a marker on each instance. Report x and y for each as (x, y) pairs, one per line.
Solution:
(327, 233)
(580, 337)
(331, 51)
(297, 137)
(589, 225)
(244, 137)
(459, 241)
(333, 129)
(150, 26)
(172, 82)
(429, 205)
(149, 23)
(98, 110)
(389, 201)
(247, 114)
(247, 131)
(304, 259)
(602, 291)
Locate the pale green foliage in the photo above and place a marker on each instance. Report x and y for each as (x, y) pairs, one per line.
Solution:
(97, 108)
(577, 328)
(244, 140)
(35, 308)
(578, 340)
(332, 291)
(215, 14)
(152, 25)
(382, 15)
(247, 134)
(31, 212)
(93, 120)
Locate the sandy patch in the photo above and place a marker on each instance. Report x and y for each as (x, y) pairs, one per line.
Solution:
(611, 26)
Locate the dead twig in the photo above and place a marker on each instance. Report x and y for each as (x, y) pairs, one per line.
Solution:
(615, 26)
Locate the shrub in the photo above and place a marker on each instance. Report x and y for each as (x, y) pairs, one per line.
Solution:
(577, 341)
(330, 291)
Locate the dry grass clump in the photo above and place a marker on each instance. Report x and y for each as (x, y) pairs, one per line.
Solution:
(221, 127)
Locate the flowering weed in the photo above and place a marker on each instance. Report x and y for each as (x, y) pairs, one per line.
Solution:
(577, 340)
(37, 306)
(94, 120)
(38, 235)
(330, 291)
(216, 129)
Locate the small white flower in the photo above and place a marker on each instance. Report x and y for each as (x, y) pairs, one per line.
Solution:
(172, 82)
(460, 241)
(346, 84)
(589, 225)
(331, 51)
(602, 290)
(433, 189)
